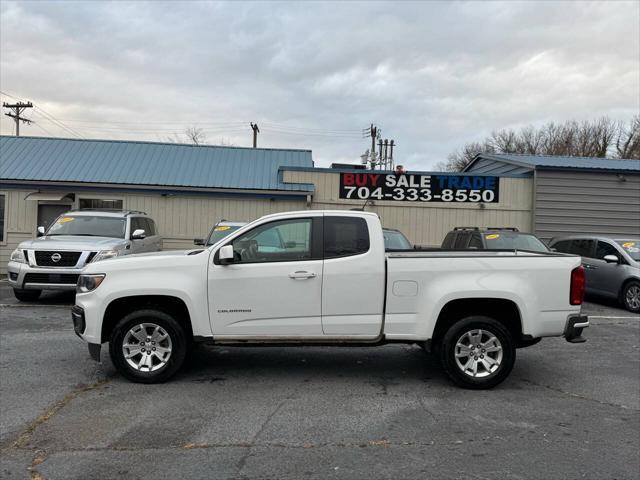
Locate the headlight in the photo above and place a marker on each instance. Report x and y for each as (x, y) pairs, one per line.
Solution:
(17, 256)
(105, 254)
(87, 283)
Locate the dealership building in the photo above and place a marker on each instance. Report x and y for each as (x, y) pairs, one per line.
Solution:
(187, 188)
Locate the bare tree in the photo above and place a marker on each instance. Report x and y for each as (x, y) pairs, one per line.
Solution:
(192, 135)
(602, 137)
(195, 135)
(628, 139)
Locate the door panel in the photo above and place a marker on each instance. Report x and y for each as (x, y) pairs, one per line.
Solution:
(606, 277)
(274, 286)
(353, 279)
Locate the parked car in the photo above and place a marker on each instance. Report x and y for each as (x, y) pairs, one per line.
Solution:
(54, 259)
(328, 281)
(492, 238)
(612, 265)
(218, 232)
(395, 240)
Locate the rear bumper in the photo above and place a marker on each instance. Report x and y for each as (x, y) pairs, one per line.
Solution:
(574, 327)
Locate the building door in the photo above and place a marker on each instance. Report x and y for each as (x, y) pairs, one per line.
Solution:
(47, 213)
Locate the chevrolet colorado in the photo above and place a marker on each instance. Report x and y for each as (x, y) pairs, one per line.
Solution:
(328, 281)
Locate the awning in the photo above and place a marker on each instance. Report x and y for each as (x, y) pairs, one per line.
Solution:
(51, 196)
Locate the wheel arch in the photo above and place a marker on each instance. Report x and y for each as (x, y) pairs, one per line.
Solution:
(119, 307)
(502, 310)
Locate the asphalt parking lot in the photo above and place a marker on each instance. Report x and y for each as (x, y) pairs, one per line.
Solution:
(567, 411)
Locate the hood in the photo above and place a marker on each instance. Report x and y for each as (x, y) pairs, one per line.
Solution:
(71, 242)
(154, 260)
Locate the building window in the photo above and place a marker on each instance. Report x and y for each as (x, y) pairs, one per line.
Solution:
(3, 236)
(100, 203)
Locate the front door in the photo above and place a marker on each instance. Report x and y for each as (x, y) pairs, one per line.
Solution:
(274, 286)
(606, 278)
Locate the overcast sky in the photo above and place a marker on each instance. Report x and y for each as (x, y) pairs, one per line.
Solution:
(432, 75)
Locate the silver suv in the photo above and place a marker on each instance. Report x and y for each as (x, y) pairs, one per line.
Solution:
(612, 265)
(54, 260)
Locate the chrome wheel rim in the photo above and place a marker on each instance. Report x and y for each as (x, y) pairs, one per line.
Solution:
(147, 347)
(633, 297)
(478, 353)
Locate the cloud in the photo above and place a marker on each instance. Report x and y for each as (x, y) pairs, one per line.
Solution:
(433, 75)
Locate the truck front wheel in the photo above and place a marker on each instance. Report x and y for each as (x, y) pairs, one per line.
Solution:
(477, 352)
(148, 346)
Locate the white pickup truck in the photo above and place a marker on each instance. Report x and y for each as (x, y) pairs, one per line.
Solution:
(324, 278)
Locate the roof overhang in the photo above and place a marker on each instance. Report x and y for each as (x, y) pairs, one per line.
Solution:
(49, 196)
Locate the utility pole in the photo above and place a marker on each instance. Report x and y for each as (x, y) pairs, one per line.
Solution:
(17, 109)
(256, 131)
(391, 144)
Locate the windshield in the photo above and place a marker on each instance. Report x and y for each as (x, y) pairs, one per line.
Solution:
(394, 240)
(220, 232)
(511, 241)
(89, 226)
(632, 247)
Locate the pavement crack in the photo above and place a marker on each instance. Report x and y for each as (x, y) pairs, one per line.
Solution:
(24, 438)
(577, 395)
(243, 460)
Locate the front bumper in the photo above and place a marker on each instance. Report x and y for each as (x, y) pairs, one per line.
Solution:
(23, 276)
(573, 329)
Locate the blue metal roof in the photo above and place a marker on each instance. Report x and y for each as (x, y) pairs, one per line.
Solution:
(146, 163)
(542, 161)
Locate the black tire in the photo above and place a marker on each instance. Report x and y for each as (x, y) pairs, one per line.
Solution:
(447, 352)
(625, 297)
(172, 328)
(27, 295)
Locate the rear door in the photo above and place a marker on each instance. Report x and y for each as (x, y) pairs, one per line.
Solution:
(353, 280)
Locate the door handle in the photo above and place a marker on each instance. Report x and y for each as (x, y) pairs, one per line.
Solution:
(301, 274)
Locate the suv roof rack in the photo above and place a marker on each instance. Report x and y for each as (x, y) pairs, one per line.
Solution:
(511, 229)
(111, 210)
(465, 228)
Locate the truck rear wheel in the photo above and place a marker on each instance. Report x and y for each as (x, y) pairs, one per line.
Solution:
(27, 295)
(148, 346)
(477, 352)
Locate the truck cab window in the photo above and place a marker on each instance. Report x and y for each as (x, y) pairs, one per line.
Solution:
(344, 236)
(283, 241)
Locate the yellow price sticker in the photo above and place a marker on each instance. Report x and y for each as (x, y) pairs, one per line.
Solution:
(628, 244)
(66, 219)
(221, 229)
(493, 236)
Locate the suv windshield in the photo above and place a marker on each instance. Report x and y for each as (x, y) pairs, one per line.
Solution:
(220, 232)
(632, 247)
(395, 240)
(90, 226)
(512, 240)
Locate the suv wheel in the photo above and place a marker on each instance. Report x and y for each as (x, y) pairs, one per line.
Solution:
(477, 352)
(148, 346)
(27, 295)
(631, 296)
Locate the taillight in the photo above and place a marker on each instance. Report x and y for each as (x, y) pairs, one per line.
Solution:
(577, 286)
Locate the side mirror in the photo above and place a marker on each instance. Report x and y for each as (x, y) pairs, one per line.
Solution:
(225, 254)
(198, 241)
(138, 234)
(40, 232)
(611, 259)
